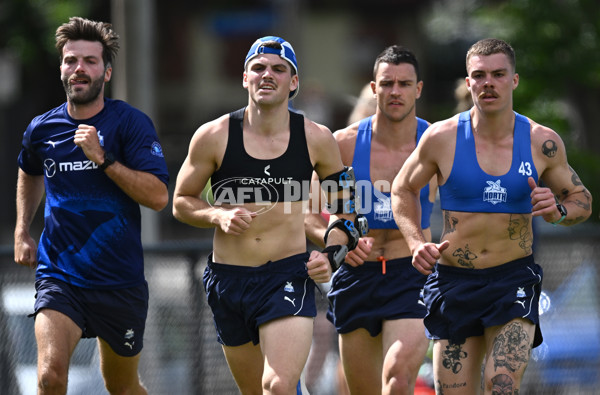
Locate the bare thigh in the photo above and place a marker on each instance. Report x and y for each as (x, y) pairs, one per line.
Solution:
(405, 346)
(120, 373)
(56, 336)
(362, 358)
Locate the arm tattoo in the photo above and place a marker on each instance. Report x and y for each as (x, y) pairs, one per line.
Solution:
(449, 223)
(549, 148)
(512, 348)
(452, 356)
(575, 178)
(518, 229)
(465, 257)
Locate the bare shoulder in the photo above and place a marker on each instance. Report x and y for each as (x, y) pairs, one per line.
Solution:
(545, 140)
(315, 132)
(346, 134)
(211, 134)
(346, 140)
(318, 137)
(323, 150)
(441, 133)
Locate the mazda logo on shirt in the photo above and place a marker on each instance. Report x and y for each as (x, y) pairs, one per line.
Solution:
(50, 167)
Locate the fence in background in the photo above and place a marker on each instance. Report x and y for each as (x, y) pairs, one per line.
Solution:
(181, 355)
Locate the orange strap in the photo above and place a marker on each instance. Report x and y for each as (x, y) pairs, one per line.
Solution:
(382, 260)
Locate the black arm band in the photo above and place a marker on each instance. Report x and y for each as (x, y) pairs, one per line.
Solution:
(348, 228)
(341, 206)
(343, 179)
(336, 255)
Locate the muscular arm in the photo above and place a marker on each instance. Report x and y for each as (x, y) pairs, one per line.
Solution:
(562, 182)
(145, 188)
(188, 205)
(30, 190)
(419, 169)
(315, 224)
(329, 161)
(405, 198)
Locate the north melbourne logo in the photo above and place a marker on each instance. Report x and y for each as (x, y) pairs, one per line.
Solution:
(494, 193)
(383, 209)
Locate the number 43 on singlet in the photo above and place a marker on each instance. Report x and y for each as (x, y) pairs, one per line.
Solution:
(525, 169)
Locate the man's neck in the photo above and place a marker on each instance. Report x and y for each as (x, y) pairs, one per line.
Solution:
(395, 133)
(266, 119)
(492, 124)
(85, 111)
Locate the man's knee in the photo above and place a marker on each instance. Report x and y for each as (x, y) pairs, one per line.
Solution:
(125, 388)
(503, 383)
(278, 385)
(53, 379)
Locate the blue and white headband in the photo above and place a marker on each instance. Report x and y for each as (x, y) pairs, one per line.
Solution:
(286, 52)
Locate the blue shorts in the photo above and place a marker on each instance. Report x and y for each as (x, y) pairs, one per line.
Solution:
(116, 316)
(243, 297)
(461, 303)
(362, 296)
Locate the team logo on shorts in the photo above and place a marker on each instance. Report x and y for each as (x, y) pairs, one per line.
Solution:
(129, 334)
(288, 287)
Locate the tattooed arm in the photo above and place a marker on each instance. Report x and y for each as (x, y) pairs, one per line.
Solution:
(562, 184)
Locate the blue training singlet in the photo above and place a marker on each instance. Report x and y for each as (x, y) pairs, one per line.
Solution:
(470, 189)
(376, 206)
(91, 235)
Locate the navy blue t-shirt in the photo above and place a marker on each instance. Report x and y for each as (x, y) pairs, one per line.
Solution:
(92, 229)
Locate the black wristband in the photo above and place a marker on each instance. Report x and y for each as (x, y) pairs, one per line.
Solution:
(109, 159)
(336, 255)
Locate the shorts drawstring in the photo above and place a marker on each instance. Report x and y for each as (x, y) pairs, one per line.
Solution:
(383, 261)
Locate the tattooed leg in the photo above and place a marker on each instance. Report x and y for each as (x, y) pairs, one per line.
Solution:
(509, 350)
(457, 367)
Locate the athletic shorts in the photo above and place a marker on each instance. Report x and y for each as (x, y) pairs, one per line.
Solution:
(461, 302)
(116, 316)
(362, 296)
(243, 297)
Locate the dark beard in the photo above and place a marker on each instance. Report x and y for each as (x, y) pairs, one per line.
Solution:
(95, 87)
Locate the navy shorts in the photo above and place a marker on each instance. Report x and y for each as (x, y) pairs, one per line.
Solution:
(244, 297)
(461, 303)
(116, 316)
(362, 296)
